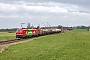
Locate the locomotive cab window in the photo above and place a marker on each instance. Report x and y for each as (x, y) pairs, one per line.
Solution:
(19, 30)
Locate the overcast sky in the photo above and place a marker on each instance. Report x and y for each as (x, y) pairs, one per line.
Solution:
(56, 12)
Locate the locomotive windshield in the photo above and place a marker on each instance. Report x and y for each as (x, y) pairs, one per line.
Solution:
(19, 30)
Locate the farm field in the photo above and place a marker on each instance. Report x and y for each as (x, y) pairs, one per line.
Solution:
(6, 36)
(74, 45)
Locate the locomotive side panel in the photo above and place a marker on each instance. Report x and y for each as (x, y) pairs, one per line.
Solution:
(29, 33)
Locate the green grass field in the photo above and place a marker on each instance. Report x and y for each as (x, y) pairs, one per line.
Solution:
(74, 45)
(6, 36)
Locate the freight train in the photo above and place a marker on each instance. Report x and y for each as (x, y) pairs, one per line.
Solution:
(26, 33)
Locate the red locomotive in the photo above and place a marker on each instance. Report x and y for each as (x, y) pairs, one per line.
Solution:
(23, 32)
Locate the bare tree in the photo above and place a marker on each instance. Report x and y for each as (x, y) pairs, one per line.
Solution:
(59, 27)
(38, 27)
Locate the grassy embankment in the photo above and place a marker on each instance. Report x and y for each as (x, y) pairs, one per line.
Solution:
(74, 45)
(6, 36)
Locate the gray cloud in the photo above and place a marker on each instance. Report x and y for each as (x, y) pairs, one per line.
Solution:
(85, 3)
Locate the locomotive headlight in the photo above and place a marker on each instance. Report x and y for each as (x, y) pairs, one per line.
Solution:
(19, 34)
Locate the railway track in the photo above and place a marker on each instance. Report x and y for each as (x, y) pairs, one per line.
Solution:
(15, 40)
(18, 40)
(10, 41)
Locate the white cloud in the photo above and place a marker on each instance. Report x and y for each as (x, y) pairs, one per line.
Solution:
(37, 13)
(38, 7)
(7, 7)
